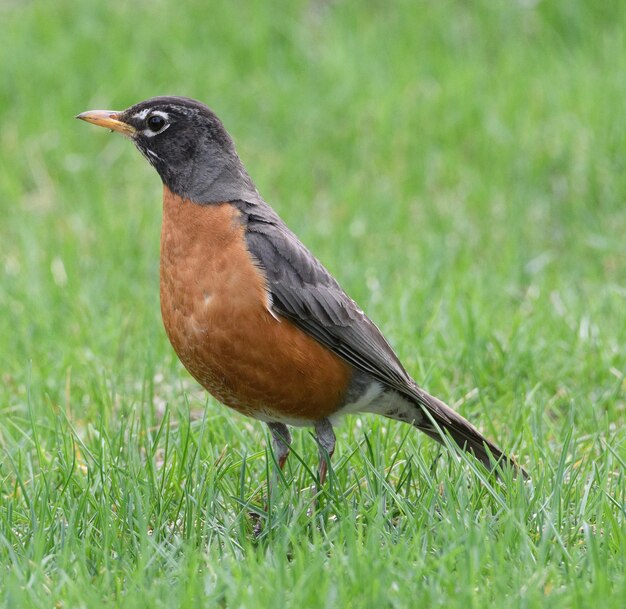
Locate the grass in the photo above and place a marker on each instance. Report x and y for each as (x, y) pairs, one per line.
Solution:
(460, 169)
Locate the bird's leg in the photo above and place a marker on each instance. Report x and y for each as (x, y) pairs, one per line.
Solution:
(326, 440)
(281, 442)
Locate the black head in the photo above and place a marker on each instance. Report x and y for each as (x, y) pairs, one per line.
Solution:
(186, 143)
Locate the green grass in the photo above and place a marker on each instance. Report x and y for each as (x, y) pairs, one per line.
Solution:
(461, 169)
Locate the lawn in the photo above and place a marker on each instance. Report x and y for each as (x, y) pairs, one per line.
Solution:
(460, 168)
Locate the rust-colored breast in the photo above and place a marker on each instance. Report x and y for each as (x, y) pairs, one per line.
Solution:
(216, 313)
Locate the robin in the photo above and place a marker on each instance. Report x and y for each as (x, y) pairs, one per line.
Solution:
(255, 318)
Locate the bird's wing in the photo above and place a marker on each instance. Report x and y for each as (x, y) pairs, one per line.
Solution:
(304, 292)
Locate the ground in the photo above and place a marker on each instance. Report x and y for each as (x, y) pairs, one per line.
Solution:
(460, 169)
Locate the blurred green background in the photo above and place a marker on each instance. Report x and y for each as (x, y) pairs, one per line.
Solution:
(459, 167)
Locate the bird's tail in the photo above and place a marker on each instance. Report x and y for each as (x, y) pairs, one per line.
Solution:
(438, 419)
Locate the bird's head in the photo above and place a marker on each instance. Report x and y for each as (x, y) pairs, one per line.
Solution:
(186, 143)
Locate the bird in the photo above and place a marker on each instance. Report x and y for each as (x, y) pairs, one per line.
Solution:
(251, 313)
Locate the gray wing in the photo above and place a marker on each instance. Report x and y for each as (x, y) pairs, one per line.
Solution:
(304, 292)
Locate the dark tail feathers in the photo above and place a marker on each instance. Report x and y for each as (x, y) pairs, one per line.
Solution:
(460, 430)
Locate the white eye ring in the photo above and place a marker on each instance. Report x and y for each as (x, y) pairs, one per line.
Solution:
(159, 126)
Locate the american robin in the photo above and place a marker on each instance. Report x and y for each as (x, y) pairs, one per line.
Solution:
(254, 317)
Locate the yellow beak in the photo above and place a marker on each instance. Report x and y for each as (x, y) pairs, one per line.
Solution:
(108, 119)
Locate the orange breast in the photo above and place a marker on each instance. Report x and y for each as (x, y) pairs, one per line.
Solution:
(216, 313)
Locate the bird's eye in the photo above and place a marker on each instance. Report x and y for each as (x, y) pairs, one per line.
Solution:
(155, 123)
